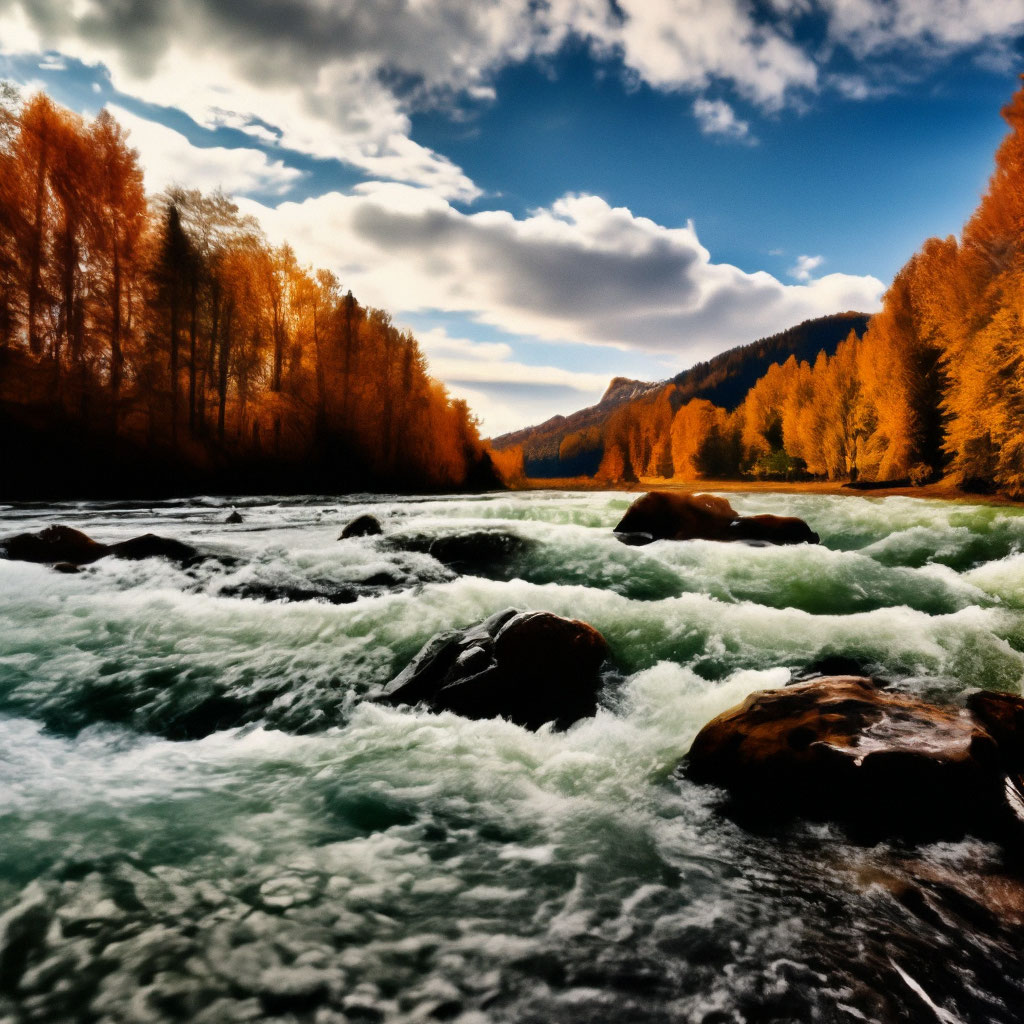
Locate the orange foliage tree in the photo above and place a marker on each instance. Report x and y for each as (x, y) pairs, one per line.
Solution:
(169, 326)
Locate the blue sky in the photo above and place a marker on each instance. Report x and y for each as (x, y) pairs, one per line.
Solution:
(554, 193)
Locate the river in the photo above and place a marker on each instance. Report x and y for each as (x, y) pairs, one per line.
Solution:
(201, 819)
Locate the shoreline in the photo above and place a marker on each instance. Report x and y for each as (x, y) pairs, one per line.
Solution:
(943, 490)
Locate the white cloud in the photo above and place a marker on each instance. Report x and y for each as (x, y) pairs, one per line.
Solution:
(805, 266)
(472, 362)
(322, 78)
(716, 117)
(686, 44)
(504, 393)
(870, 27)
(579, 271)
(440, 346)
(168, 158)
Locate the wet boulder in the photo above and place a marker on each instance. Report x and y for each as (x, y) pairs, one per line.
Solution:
(528, 667)
(234, 518)
(362, 526)
(882, 764)
(661, 515)
(768, 529)
(149, 545)
(67, 549)
(54, 544)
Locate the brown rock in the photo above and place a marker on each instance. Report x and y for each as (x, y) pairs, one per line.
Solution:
(773, 530)
(54, 544)
(662, 515)
(666, 516)
(883, 764)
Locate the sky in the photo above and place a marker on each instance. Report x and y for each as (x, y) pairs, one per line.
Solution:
(550, 193)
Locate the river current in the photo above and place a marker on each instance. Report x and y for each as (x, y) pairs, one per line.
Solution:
(202, 820)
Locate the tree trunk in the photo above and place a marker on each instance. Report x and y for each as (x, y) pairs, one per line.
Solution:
(35, 342)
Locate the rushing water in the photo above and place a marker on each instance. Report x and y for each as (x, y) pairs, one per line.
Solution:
(203, 821)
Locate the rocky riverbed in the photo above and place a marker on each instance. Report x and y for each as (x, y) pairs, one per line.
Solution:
(210, 815)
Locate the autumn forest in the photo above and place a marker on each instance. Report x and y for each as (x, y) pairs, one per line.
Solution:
(160, 343)
(933, 388)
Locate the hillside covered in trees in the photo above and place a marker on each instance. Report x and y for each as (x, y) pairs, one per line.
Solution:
(160, 344)
(567, 446)
(934, 387)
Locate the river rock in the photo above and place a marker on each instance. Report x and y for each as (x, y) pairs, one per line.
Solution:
(528, 667)
(67, 549)
(768, 529)
(661, 515)
(883, 764)
(54, 544)
(479, 552)
(149, 545)
(362, 526)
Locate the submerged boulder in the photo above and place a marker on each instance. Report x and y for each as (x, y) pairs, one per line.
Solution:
(479, 552)
(661, 515)
(883, 764)
(528, 667)
(362, 526)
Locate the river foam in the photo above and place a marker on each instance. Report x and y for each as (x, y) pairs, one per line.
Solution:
(204, 821)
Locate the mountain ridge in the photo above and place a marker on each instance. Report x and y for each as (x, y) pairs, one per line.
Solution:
(724, 380)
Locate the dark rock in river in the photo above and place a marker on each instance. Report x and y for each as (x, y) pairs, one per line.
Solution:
(54, 544)
(67, 549)
(479, 552)
(880, 763)
(260, 591)
(235, 518)
(660, 515)
(528, 667)
(362, 526)
(772, 530)
(149, 545)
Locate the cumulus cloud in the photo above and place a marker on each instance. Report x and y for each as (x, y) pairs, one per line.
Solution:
(686, 44)
(805, 266)
(340, 79)
(311, 75)
(869, 27)
(579, 271)
(168, 158)
(716, 117)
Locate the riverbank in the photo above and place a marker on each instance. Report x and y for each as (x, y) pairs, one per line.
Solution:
(944, 490)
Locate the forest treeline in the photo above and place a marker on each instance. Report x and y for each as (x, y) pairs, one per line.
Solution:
(160, 343)
(568, 446)
(934, 387)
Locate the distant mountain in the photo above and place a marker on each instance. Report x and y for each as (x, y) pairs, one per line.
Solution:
(723, 380)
